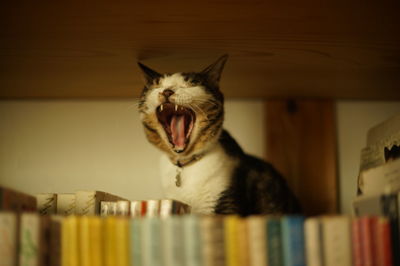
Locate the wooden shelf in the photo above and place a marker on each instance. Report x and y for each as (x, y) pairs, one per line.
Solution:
(313, 49)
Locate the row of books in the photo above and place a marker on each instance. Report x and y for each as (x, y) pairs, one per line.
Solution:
(192, 240)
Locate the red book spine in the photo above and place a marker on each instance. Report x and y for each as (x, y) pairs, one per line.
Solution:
(383, 242)
(356, 239)
(367, 241)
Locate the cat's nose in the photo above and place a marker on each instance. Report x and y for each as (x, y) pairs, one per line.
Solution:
(167, 93)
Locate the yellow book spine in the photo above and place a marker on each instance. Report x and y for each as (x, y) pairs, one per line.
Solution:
(122, 235)
(110, 241)
(84, 241)
(96, 240)
(69, 242)
(231, 240)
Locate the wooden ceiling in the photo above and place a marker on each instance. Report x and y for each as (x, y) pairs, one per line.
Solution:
(278, 49)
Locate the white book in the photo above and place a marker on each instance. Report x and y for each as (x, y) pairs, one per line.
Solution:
(123, 207)
(46, 203)
(337, 241)
(172, 241)
(29, 254)
(66, 203)
(136, 208)
(192, 240)
(88, 202)
(257, 240)
(313, 242)
(8, 239)
(153, 208)
(384, 178)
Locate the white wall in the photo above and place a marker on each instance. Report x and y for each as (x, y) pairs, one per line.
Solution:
(63, 146)
(354, 121)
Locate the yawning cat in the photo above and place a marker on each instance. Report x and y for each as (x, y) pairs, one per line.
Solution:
(203, 166)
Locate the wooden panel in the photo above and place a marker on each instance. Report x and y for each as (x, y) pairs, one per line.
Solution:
(301, 144)
(323, 49)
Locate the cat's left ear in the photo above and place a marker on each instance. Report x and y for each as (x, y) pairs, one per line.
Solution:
(149, 74)
(214, 71)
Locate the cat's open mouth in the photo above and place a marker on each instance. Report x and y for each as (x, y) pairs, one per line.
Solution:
(178, 123)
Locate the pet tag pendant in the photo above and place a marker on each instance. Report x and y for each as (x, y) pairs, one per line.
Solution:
(178, 177)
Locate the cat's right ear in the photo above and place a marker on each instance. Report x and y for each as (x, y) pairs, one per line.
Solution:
(149, 74)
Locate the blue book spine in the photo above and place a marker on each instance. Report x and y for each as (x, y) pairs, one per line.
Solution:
(274, 242)
(293, 240)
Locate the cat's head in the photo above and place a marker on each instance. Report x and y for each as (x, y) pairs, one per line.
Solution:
(182, 113)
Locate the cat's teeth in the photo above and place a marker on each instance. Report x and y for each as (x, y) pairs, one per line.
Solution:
(161, 107)
(176, 107)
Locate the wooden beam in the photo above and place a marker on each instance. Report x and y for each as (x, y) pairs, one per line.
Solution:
(301, 144)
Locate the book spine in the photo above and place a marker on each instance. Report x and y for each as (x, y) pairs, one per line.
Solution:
(172, 241)
(8, 239)
(232, 251)
(357, 242)
(69, 241)
(136, 208)
(12, 200)
(257, 240)
(123, 208)
(110, 241)
(153, 208)
(151, 242)
(212, 235)
(136, 241)
(275, 249)
(390, 206)
(293, 240)
(55, 241)
(191, 229)
(66, 203)
(29, 240)
(383, 242)
(87, 202)
(47, 203)
(336, 241)
(313, 242)
(96, 247)
(243, 242)
(122, 242)
(84, 241)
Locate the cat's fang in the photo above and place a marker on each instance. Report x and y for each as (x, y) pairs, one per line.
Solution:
(176, 107)
(161, 107)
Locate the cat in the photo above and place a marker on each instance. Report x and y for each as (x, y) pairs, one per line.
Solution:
(203, 166)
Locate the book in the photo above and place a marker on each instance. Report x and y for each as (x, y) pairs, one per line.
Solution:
(136, 240)
(55, 240)
(257, 240)
(293, 240)
(172, 241)
(108, 208)
(274, 239)
(33, 240)
(69, 241)
(313, 242)
(336, 241)
(66, 203)
(384, 178)
(8, 238)
(151, 241)
(13, 200)
(192, 240)
(96, 234)
(123, 208)
(357, 248)
(390, 207)
(383, 242)
(46, 203)
(88, 202)
(110, 241)
(367, 205)
(212, 235)
(232, 251)
(243, 242)
(122, 241)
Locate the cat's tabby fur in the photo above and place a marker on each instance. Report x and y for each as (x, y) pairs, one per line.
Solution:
(183, 115)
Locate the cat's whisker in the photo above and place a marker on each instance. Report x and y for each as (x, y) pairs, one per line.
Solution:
(197, 108)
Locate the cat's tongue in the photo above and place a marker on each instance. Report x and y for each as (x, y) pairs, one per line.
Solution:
(178, 131)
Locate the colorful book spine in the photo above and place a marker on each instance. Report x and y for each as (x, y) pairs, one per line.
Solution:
(96, 236)
(337, 240)
(70, 241)
(293, 240)
(172, 241)
(367, 240)
(357, 242)
(110, 241)
(192, 240)
(313, 242)
(88, 202)
(212, 235)
(383, 242)
(151, 242)
(257, 240)
(232, 251)
(123, 208)
(243, 242)
(8, 239)
(122, 242)
(275, 245)
(136, 250)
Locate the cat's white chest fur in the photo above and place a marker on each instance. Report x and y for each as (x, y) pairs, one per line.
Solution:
(201, 182)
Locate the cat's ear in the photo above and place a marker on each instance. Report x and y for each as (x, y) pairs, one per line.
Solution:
(149, 74)
(213, 72)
